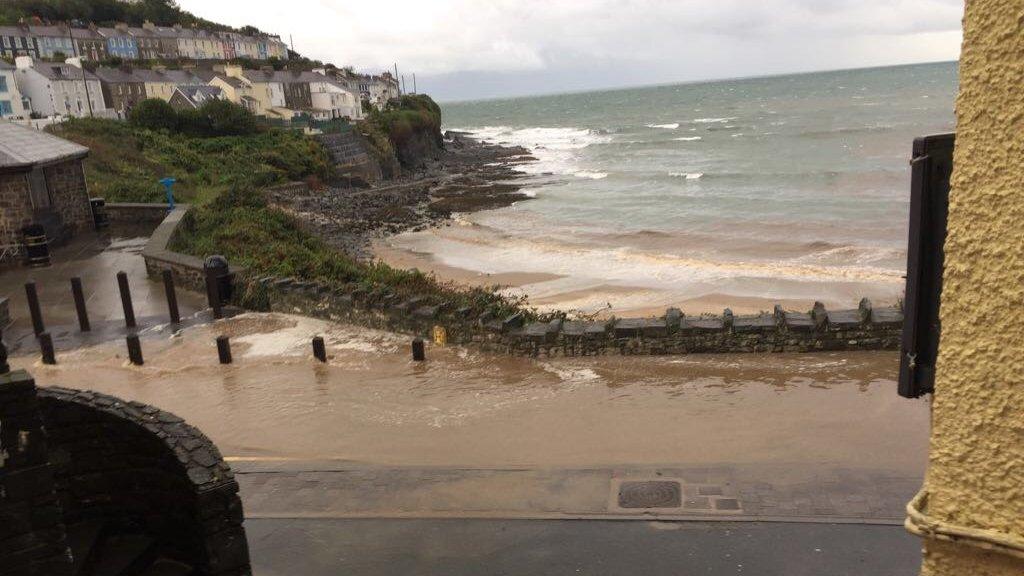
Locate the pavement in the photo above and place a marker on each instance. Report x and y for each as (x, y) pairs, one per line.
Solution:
(427, 547)
(96, 258)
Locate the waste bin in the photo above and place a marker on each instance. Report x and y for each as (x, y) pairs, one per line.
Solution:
(219, 279)
(37, 247)
(99, 213)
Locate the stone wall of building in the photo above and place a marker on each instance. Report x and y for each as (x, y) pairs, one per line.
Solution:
(66, 182)
(15, 207)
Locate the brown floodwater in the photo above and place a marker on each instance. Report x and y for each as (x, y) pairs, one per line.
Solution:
(370, 403)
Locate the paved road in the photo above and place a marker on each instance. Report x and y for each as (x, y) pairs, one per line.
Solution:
(425, 547)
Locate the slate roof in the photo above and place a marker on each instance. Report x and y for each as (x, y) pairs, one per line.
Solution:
(5, 66)
(167, 76)
(62, 71)
(22, 147)
(200, 93)
(117, 76)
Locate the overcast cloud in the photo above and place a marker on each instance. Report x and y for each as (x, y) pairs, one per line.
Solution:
(464, 49)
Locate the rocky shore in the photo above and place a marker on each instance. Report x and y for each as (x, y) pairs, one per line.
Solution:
(467, 176)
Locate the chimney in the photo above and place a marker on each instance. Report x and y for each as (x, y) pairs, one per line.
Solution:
(267, 69)
(159, 69)
(24, 62)
(126, 67)
(177, 27)
(74, 61)
(147, 25)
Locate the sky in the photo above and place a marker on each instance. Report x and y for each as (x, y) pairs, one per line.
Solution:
(472, 49)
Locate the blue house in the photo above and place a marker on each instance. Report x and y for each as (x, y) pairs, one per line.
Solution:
(120, 43)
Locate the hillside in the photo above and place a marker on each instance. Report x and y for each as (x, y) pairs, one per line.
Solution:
(106, 13)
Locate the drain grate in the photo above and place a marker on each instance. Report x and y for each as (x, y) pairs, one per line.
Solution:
(652, 494)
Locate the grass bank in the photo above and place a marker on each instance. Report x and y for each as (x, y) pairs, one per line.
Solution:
(224, 177)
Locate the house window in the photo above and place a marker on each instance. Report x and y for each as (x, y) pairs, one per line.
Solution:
(3, 84)
(5, 108)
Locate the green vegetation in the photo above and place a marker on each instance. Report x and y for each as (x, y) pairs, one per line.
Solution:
(213, 118)
(240, 225)
(104, 12)
(414, 113)
(224, 176)
(126, 161)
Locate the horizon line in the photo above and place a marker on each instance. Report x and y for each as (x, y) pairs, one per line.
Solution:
(684, 82)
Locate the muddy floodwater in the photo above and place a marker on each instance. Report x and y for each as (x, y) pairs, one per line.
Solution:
(370, 403)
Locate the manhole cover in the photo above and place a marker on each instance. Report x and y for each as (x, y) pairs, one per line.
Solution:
(653, 494)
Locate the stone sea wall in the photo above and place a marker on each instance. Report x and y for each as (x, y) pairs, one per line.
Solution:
(863, 328)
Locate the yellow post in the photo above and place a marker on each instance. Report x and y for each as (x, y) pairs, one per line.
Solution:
(440, 336)
(971, 511)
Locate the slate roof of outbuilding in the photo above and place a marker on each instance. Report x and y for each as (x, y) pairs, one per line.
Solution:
(24, 147)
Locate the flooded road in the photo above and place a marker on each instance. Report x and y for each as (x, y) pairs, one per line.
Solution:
(371, 404)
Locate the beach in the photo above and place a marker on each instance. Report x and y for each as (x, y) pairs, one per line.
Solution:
(741, 194)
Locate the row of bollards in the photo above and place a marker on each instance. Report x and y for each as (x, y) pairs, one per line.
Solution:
(78, 294)
(319, 349)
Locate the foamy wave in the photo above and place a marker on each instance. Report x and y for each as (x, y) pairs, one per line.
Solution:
(528, 192)
(556, 149)
(672, 126)
(687, 175)
(688, 139)
(591, 175)
(713, 120)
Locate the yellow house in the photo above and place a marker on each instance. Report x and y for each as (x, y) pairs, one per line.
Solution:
(971, 509)
(161, 83)
(265, 98)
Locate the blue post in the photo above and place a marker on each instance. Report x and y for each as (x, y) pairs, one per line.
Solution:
(169, 185)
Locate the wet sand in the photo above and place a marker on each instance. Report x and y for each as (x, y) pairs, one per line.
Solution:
(601, 301)
(371, 404)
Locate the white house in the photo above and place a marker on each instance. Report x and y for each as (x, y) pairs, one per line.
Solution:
(12, 104)
(331, 98)
(60, 89)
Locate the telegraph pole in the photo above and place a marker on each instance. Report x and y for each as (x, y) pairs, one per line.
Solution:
(414, 90)
(396, 79)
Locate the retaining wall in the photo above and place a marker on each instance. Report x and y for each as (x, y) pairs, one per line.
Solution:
(863, 328)
(135, 213)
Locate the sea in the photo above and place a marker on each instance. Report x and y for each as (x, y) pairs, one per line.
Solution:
(771, 189)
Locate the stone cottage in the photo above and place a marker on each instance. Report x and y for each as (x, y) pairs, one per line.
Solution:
(42, 181)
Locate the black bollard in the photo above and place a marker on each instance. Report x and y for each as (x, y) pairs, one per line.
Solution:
(224, 349)
(319, 350)
(126, 300)
(46, 347)
(134, 349)
(33, 308)
(418, 353)
(83, 313)
(172, 297)
(213, 295)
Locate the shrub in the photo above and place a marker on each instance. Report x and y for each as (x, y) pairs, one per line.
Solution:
(223, 118)
(154, 114)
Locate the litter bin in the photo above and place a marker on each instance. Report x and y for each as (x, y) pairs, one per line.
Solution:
(99, 213)
(37, 247)
(219, 279)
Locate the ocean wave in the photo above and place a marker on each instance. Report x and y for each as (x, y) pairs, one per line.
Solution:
(688, 139)
(712, 120)
(687, 175)
(591, 175)
(672, 126)
(555, 149)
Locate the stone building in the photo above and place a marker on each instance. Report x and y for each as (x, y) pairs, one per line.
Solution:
(41, 182)
(122, 88)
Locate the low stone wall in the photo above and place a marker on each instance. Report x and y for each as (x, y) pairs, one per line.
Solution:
(32, 534)
(863, 328)
(134, 213)
(140, 470)
(187, 270)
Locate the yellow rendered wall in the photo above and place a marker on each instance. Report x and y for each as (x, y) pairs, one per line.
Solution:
(976, 470)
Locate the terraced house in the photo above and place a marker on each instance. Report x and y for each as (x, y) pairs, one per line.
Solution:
(122, 89)
(91, 46)
(120, 43)
(18, 41)
(12, 103)
(59, 89)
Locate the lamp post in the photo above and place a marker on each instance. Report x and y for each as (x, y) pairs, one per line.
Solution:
(169, 187)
